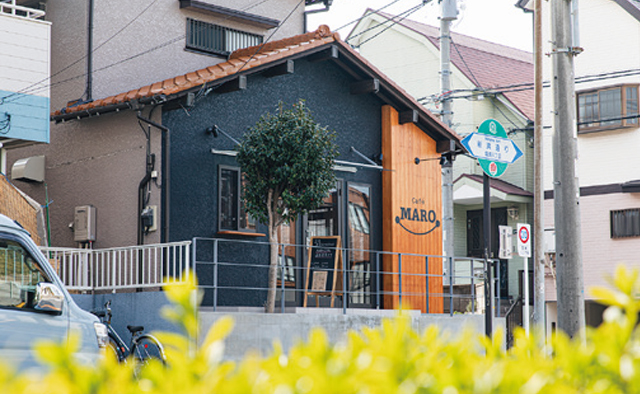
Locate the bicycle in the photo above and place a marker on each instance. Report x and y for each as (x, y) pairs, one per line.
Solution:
(142, 348)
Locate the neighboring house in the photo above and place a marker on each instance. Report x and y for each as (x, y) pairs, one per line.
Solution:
(482, 80)
(191, 121)
(24, 107)
(608, 135)
(23, 209)
(101, 48)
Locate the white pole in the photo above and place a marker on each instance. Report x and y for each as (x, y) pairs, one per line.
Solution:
(525, 318)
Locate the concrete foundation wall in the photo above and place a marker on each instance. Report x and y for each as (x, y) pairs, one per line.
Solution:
(256, 331)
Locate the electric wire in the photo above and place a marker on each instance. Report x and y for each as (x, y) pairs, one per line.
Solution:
(21, 91)
(37, 87)
(360, 18)
(404, 15)
(529, 86)
(199, 95)
(496, 106)
(270, 36)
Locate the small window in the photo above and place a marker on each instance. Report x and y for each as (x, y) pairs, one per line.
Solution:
(608, 108)
(231, 213)
(218, 40)
(625, 223)
(19, 276)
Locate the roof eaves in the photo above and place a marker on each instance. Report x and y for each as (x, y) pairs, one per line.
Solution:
(630, 8)
(241, 62)
(498, 184)
(427, 121)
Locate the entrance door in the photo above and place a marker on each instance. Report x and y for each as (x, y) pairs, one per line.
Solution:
(346, 211)
(326, 220)
(359, 260)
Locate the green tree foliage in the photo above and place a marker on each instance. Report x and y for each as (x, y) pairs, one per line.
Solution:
(392, 358)
(287, 161)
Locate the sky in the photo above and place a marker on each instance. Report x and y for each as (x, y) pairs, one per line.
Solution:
(498, 21)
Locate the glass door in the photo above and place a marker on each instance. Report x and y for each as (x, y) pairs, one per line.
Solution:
(359, 264)
(326, 220)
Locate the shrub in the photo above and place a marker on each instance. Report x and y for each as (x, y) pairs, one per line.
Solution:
(390, 359)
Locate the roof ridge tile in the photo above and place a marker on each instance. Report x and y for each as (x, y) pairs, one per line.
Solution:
(321, 32)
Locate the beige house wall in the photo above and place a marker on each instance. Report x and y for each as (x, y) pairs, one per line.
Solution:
(81, 160)
(133, 47)
(85, 156)
(601, 253)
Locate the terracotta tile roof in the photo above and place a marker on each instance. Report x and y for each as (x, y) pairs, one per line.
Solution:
(250, 58)
(486, 64)
(243, 59)
(498, 184)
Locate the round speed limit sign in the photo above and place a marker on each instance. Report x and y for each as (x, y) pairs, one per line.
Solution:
(524, 240)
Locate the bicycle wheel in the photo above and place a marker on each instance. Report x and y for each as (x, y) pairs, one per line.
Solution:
(147, 347)
(114, 350)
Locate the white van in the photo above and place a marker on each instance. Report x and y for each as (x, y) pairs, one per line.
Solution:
(35, 306)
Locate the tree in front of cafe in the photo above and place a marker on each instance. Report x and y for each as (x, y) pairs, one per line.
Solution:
(287, 161)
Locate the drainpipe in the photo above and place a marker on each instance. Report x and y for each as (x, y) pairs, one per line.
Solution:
(165, 180)
(89, 86)
(327, 5)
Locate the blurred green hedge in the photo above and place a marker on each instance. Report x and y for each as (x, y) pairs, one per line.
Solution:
(390, 359)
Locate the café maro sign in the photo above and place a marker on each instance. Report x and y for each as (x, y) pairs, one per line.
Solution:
(418, 219)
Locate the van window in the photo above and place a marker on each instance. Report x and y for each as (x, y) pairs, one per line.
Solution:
(19, 275)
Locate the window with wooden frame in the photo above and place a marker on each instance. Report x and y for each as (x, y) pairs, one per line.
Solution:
(218, 40)
(608, 108)
(625, 223)
(231, 213)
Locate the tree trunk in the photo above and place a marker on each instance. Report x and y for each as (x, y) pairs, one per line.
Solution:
(273, 256)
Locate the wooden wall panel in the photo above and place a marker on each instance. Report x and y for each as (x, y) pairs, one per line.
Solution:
(412, 215)
(16, 206)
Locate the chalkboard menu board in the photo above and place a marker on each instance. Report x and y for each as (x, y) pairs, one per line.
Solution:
(324, 268)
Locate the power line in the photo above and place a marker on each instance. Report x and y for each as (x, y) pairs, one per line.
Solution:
(360, 18)
(27, 89)
(270, 36)
(455, 45)
(529, 86)
(405, 15)
(178, 38)
(37, 87)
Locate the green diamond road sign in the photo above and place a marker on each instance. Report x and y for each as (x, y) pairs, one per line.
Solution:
(492, 147)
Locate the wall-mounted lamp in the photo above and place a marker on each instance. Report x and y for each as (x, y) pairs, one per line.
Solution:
(513, 212)
(215, 130)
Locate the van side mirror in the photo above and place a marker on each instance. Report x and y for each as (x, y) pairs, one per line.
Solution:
(48, 298)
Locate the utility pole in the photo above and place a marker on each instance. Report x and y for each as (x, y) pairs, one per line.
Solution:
(538, 184)
(566, 190)
(449, 13)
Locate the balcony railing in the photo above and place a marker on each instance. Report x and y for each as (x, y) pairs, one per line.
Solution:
(9, 7)
(135, 267)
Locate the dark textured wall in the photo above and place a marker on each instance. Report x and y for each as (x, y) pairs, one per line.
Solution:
(194, 169)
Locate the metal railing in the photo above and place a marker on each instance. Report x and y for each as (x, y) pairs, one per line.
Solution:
(226, 268)
(10, 7)
(514, 320)
(134, 267)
